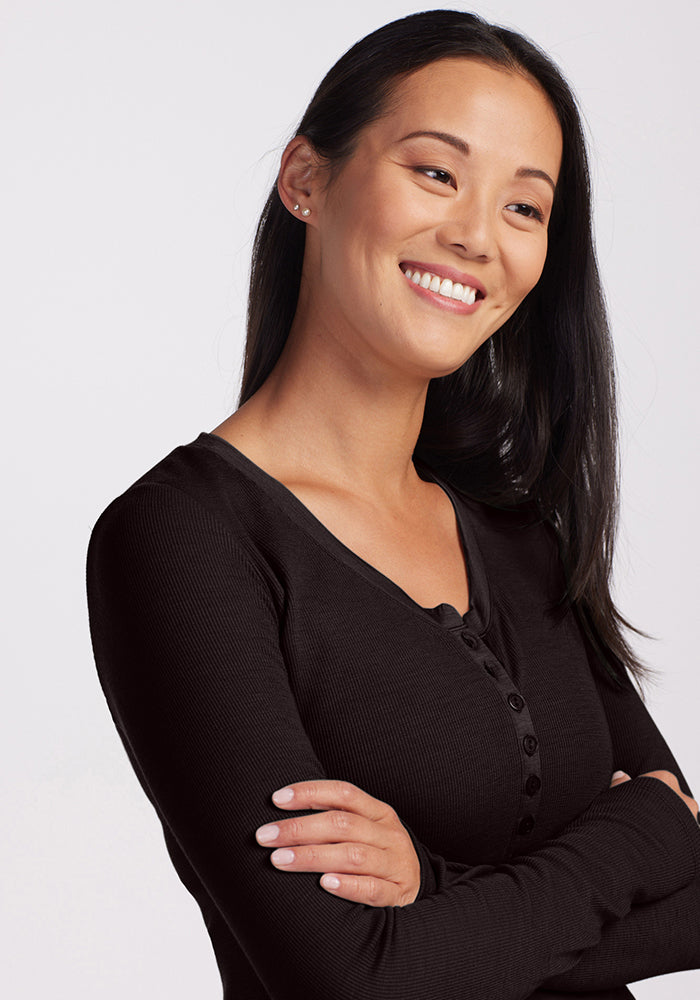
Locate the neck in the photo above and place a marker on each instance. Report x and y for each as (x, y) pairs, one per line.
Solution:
(342, 418)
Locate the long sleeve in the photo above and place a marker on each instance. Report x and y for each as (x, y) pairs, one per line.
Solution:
(186, 633)
(659, 937)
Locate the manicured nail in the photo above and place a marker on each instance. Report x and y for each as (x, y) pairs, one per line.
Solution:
(330, 882)
(282, 857)
(265, 834)
(282, 795)
(620, 774)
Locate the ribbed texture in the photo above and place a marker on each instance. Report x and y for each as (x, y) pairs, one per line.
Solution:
(241, 647)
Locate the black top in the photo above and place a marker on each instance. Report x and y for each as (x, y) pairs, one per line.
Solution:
(241, 646)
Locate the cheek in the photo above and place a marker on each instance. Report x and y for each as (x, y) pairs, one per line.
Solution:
(393, 210)
(527, 266)
(376, 235)
(367, 223)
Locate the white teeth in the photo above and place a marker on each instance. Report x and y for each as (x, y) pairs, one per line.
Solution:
(445, 287)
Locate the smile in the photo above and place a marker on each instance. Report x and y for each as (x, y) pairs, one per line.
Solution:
(445, 287)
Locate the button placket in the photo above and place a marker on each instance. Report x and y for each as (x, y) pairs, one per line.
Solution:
(522, 723)
(470, 640)
(533, 785)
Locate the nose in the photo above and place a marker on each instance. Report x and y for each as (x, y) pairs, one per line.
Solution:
(469, 230)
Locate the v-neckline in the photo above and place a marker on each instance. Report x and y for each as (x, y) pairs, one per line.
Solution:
(477, 616)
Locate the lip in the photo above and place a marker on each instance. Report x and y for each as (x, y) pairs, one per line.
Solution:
(443, 271)
(451, 305)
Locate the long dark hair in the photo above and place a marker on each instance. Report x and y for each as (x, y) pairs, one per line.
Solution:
(530, 417)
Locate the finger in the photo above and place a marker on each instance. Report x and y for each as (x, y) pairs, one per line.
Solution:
(350, 859)
(668, 777)
(618, 778)
(333, 827)
(367, 890)
(329, 793)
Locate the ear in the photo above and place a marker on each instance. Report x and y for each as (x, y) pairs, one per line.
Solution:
(299, 180)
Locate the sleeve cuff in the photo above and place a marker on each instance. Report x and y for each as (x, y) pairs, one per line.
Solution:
(428, 881)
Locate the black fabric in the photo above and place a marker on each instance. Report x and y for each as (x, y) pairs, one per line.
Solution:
(241, 646)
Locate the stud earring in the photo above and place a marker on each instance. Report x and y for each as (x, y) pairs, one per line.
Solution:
(296, 208)
(306, 211)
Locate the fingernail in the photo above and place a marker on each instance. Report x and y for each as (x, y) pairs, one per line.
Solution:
(620, 774)
(267, 833)
(330, 882)
(282, 857)
(283, 795)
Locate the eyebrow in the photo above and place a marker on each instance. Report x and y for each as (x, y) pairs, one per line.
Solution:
(461, 146)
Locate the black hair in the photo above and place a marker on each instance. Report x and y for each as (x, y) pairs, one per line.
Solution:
(530, 418)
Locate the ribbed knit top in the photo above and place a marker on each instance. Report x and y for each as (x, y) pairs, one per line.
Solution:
(241, 646)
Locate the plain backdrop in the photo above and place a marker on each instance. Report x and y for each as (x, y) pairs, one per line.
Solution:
(139, 139)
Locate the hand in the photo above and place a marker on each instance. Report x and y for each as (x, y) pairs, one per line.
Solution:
(360, 842)
(667, 777)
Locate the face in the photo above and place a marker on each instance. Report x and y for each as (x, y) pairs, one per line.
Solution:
(435, 230)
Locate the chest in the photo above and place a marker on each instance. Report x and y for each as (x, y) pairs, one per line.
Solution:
(485, 744)
(418, 548)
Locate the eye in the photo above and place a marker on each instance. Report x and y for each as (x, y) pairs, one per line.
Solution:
(434, 173)
(529, 211)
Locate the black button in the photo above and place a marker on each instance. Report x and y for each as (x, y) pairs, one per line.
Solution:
(530, 745)
(533, 785)
(526, 825)
(490, 668)
(470, 640)
(515, 701)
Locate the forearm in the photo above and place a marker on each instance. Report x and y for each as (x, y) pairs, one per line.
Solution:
(656, 938)
(652, 940)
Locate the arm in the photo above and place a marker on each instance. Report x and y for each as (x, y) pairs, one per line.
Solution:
(657, 938)
(651, 940)
(186, 637)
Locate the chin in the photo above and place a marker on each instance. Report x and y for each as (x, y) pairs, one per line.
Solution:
(430, 368)
(444, 362)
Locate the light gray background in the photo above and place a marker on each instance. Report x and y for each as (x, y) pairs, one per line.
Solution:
(139, 139)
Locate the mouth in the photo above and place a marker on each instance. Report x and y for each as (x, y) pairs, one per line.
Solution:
(447, 285)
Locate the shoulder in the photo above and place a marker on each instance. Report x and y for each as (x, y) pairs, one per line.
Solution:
(519, 547)
(192, 481)
(189, 504)
(522, 525)
(507, 531)
(176, 541)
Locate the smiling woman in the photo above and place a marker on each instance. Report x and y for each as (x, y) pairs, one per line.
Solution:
(366, 620)
(467, 182)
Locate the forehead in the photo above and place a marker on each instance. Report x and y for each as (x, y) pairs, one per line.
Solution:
(488, 106)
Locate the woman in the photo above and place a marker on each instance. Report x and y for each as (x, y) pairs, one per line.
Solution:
(381, 586)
